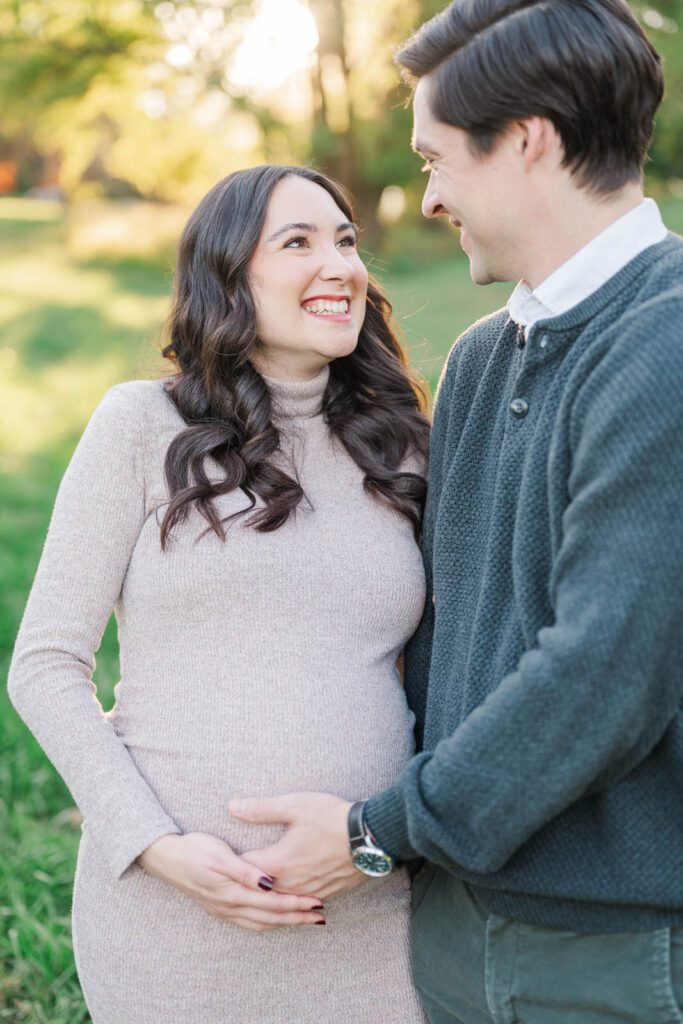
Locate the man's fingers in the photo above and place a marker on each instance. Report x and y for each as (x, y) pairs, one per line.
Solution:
(268, 859)
(262, 810)
(252, 876)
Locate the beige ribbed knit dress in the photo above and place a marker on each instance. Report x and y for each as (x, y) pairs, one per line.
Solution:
(259, 666)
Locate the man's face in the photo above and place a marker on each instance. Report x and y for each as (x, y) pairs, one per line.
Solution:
(476, 193)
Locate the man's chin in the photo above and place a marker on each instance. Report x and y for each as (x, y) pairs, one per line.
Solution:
(482, 274)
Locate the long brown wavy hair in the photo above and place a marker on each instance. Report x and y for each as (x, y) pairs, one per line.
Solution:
(372, 403)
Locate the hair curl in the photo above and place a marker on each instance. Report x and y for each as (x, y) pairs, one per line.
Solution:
(372, 403)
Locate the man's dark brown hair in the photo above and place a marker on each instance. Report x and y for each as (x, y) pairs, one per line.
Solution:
(586, 65)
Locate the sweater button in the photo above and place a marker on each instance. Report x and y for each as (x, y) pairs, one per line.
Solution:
(519, 407)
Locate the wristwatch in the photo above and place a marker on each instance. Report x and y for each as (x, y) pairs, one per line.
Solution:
(365, 852)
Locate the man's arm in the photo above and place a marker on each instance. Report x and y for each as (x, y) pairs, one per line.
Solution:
(599, 689)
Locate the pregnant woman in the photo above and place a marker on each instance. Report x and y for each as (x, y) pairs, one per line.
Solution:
(252, 521)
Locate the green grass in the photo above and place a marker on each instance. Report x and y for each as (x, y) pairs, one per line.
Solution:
(68, 331)
(70, 328)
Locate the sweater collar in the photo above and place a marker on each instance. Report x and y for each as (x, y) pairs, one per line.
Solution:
(594, 303)
(589, 268)
(298, 399)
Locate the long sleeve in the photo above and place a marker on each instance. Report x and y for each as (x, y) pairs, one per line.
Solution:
(592, 699)
(98, 515)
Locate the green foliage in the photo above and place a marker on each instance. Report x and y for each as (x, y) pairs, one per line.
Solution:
(664, 25)
(52, 53)
(86, 83)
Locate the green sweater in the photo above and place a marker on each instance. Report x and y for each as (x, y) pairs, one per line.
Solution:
(547, 673)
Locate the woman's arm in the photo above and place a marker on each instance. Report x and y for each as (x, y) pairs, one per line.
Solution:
(98, 515)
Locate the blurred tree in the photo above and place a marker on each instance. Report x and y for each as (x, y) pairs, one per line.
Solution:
(51, 55)
(50, 52)
(361, 129)
(101, 87)
(663, 22)
(162, 97)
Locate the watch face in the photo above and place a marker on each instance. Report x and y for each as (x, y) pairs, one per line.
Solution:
(372, 862)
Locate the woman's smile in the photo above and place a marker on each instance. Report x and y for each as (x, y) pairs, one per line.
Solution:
(333, 308)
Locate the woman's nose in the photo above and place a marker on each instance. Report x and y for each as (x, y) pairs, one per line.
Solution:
(335, 266)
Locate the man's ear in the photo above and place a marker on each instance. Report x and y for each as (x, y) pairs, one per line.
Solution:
(536, 140)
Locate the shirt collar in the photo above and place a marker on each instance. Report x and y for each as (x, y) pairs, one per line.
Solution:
(589, 268)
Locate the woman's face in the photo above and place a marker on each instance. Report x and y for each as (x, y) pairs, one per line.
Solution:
(308, 282)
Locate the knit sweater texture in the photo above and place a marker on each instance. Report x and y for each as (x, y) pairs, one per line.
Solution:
(547, 672)
(262, 665)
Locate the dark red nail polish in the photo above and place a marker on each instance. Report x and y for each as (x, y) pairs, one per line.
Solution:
(321, 922)
(318, 907)
(266, 883)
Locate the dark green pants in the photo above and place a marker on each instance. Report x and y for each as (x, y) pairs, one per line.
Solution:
(474, 968)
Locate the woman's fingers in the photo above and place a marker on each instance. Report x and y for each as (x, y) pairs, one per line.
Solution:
(235, 896)
(261, 920)
(257, 926)
(259, 911)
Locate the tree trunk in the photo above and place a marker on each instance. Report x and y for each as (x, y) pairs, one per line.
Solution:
(333, 145)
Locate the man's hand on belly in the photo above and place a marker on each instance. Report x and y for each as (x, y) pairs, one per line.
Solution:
(313, 856)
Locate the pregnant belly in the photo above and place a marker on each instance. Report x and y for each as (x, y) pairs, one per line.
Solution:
(351, 743)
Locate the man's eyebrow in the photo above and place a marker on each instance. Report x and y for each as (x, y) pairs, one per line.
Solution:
(308, 227)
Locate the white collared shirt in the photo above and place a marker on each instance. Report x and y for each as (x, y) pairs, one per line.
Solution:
(589, 268)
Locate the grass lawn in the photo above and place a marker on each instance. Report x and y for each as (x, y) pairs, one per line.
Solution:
(70, 328)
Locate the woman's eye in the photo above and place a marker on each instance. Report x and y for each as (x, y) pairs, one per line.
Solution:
(348, 240)
(295, 243)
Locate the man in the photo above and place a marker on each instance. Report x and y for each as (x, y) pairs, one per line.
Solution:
(547, 673)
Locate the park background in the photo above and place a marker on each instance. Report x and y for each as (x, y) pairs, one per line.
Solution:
(116, 117)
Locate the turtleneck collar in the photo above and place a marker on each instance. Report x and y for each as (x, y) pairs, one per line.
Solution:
(298, 399)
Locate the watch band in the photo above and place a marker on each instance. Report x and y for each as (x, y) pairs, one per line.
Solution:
(356, 825)
(365, 853)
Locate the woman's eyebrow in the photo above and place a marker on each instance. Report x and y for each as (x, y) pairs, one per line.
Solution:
(308, 227)
(292, 227)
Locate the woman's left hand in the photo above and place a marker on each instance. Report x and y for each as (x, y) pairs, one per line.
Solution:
(313, 856)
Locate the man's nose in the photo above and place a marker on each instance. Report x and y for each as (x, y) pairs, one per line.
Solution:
(431, 206)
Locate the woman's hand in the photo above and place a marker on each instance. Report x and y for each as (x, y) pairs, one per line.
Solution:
(206, 869)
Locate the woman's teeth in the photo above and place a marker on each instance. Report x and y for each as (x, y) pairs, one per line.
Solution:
(327, 306)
